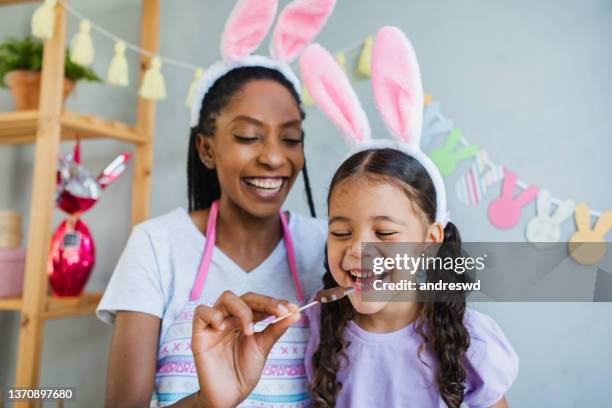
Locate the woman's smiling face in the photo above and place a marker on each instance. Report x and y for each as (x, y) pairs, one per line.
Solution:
(257, 148)
(363, 209)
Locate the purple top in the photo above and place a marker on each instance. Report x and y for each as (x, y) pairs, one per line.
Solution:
(385, 371)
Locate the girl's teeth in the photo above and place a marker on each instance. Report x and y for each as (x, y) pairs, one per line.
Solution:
(266, 183)
(361, 274)
(364, 280)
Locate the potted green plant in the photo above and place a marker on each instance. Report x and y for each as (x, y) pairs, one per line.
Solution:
(20, 66)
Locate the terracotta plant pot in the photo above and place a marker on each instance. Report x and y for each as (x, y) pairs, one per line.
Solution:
(25, 87)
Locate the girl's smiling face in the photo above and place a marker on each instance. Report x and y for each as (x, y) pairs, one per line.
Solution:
(257, 148)
(364, 208)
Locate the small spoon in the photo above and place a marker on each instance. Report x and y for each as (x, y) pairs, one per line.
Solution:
(323, 296)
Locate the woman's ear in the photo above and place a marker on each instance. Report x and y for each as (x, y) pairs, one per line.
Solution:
(434, 233)
(206, 150)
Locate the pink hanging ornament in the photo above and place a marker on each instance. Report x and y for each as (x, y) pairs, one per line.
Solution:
(71, 258)
(505, 211)
(72, 253)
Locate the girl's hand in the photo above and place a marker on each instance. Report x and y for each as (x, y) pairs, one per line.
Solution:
(229, 356)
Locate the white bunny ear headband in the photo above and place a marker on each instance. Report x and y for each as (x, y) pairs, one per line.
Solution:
(398, 94)
(298, 24)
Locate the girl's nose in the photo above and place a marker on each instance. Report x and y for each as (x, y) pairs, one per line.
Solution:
(354, 247)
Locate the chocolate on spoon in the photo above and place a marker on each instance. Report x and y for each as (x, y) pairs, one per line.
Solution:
(323, 296)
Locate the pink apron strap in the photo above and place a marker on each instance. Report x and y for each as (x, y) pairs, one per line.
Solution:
(211, 230)
(289, 248)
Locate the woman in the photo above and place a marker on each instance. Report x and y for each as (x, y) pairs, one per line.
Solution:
(244, 156)
(245, 153)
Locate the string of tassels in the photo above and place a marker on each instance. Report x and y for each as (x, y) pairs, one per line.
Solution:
(118, 68)
(153, 84)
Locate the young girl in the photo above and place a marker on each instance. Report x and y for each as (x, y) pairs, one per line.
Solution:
(245, 153)
(392, 353)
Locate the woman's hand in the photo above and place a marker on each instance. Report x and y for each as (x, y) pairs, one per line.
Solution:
(229, 356)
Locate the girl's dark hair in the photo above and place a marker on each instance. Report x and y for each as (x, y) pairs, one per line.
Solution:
(440, 323)
(202, 183)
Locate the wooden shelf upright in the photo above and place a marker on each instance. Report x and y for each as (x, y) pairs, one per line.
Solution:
(46, 127)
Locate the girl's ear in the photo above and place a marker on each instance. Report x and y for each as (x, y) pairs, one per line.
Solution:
(246, 27)
(205, 149)
(297, 26)
(435, 233)
(329, 87)
(396, 82)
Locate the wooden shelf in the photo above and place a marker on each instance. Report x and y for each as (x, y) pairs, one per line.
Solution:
(72, 306)
(45, 128)
(7, 2)
(21, 126)
(10, 303)
(56, 307)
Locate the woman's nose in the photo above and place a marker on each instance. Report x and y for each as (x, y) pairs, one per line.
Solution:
(271, 155)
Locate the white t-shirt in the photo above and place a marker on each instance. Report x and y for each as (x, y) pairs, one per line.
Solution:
(158, 267)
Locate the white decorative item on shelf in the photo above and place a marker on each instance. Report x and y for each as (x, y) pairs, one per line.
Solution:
(10, 229)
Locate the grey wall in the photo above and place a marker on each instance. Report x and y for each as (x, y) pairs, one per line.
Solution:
(528, 81)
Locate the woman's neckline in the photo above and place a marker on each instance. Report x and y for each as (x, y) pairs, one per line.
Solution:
(202, 229)
(200, 240)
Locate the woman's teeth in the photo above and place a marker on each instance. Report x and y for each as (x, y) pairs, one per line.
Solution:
(265, 185)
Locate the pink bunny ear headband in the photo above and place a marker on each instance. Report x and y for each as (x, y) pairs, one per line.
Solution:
(298, 24)
(398, 94)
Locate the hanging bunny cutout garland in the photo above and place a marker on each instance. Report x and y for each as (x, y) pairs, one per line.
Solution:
(472, 187)
(298, 24)
(446, 158)
(586, 245)
(434, 123)
(545, 228)
(398, 94)
(505, 211)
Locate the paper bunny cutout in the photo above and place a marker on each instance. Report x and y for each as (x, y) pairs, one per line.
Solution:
(434, 123)
(447, 158)
(546, 227)
(473, 186)
(587, 246)
(249, 22)
(505, 211)
(398, 94)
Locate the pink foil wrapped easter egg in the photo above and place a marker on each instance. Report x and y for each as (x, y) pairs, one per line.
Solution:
(72, 253)
(71, 258)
